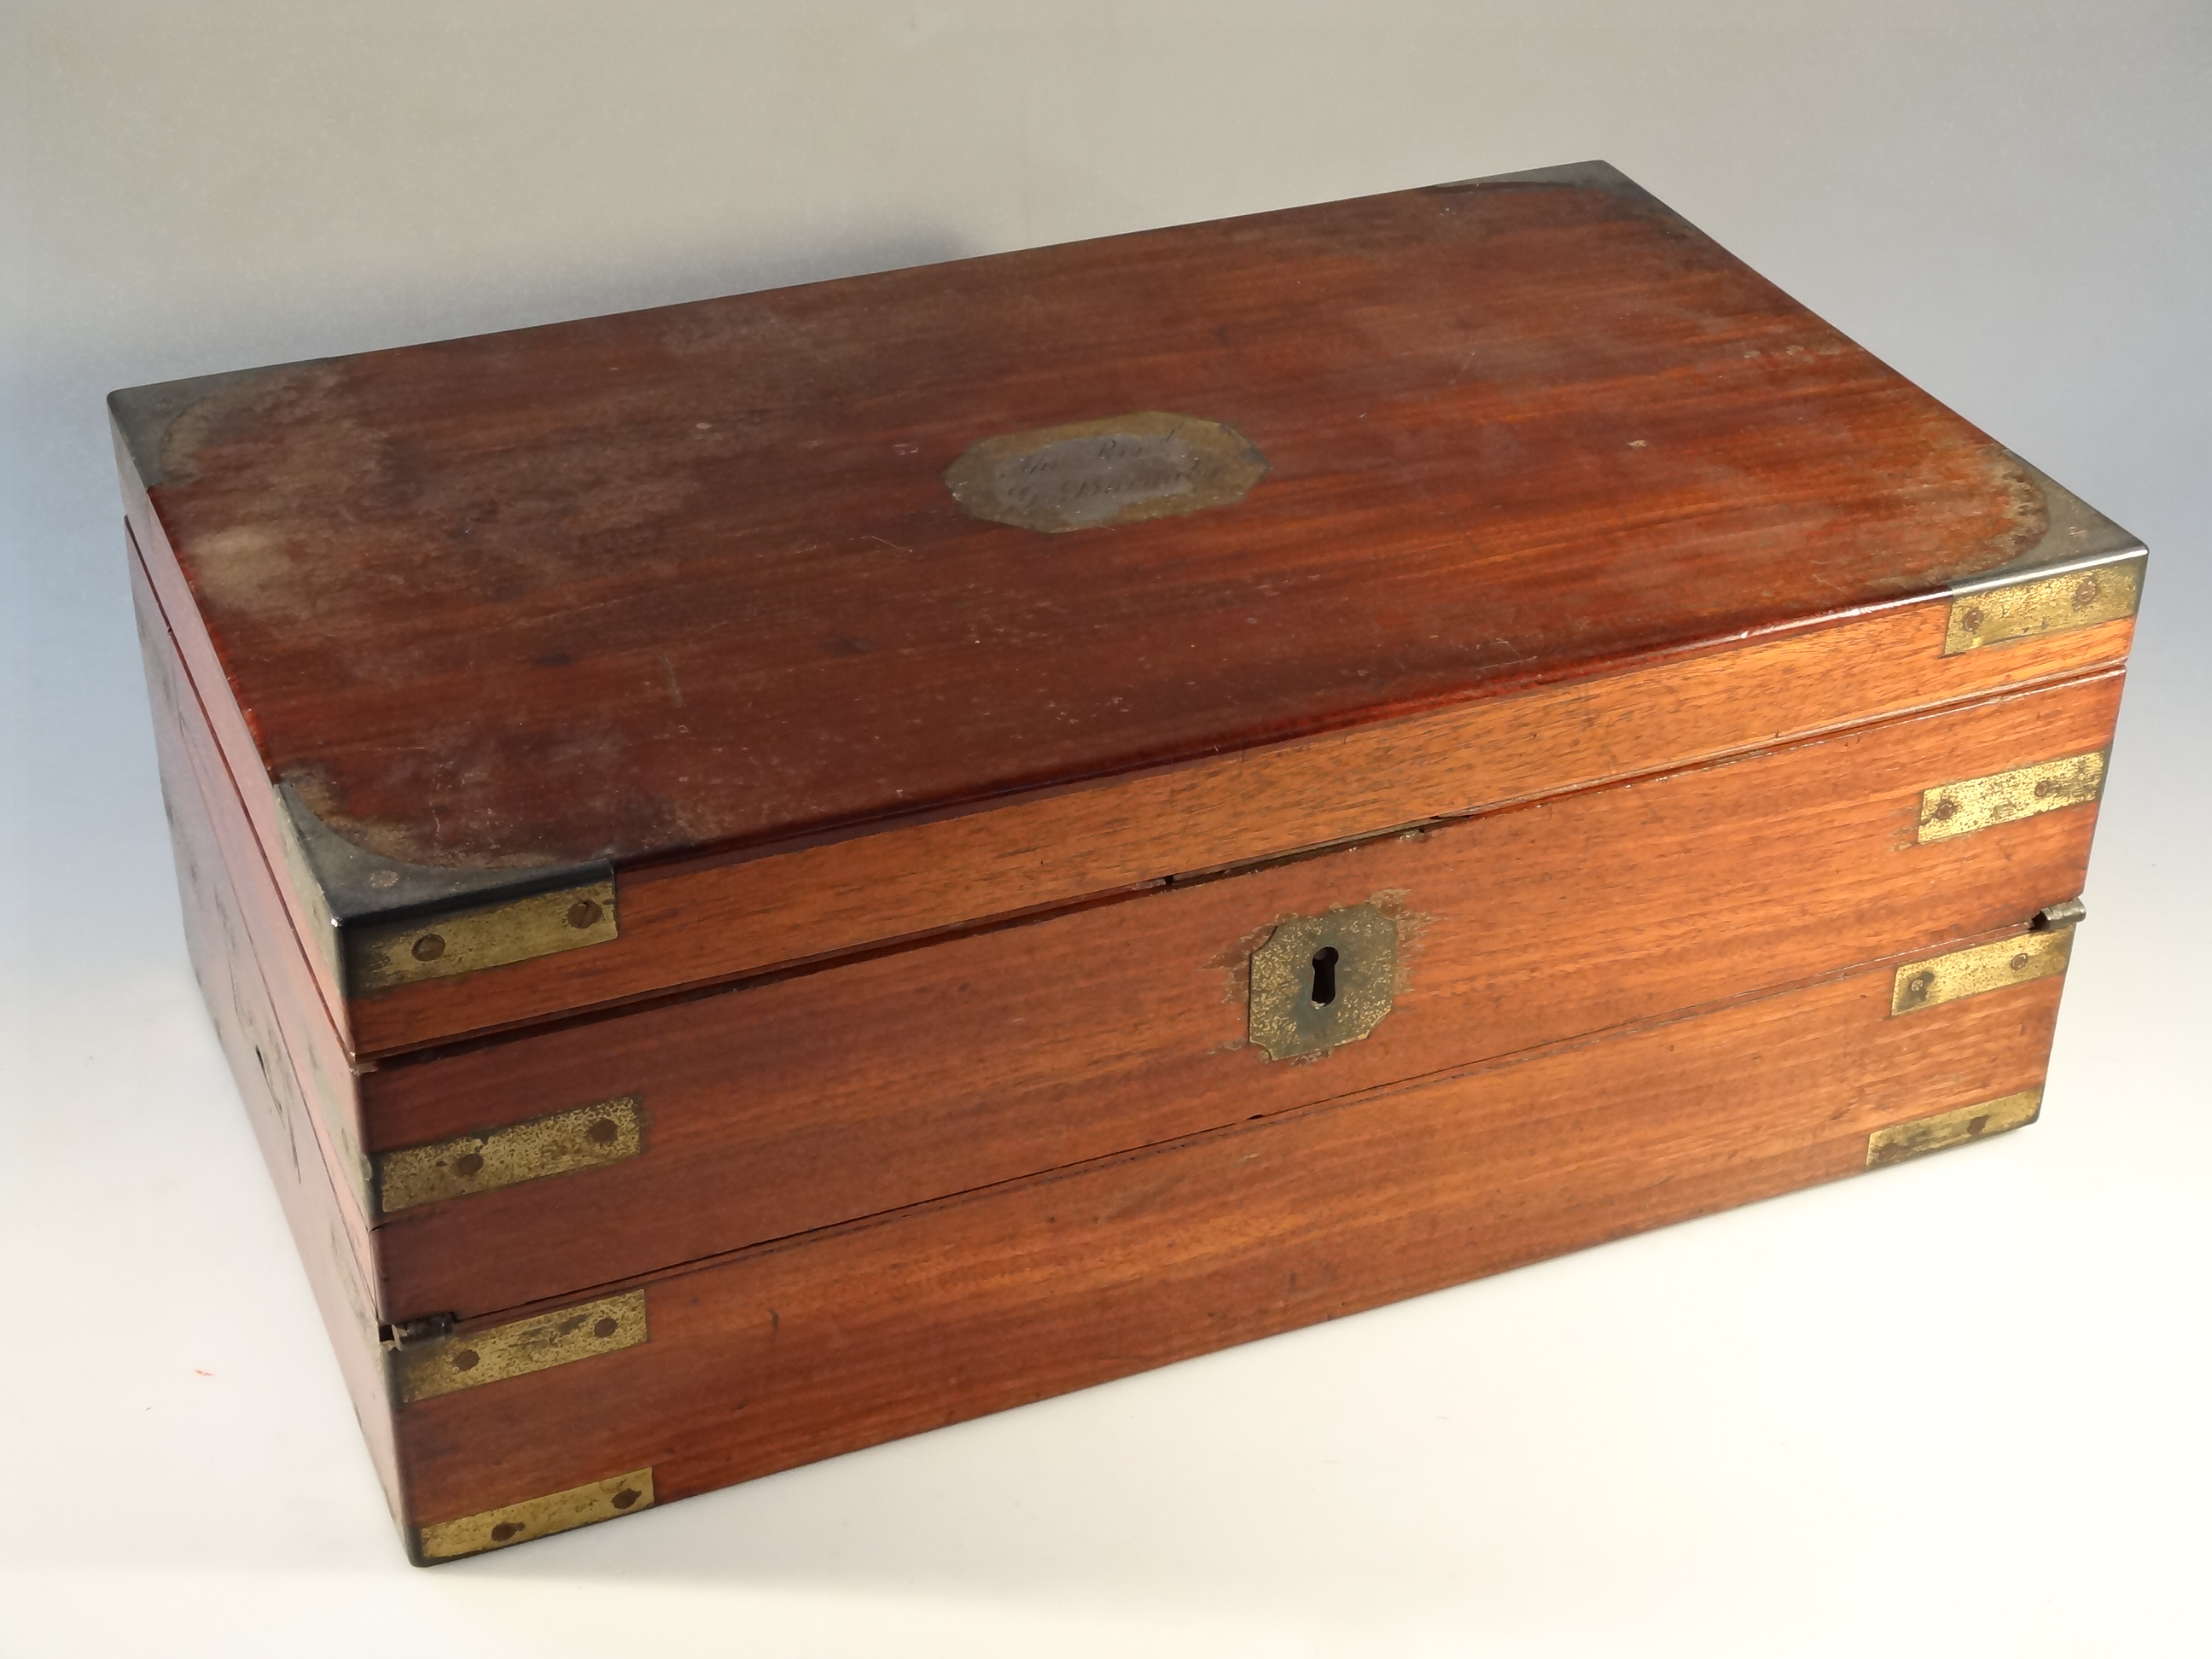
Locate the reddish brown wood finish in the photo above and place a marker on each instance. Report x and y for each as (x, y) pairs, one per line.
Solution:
(783, 1106)
(799, 1351)
(694, 925)
(640, 584)
(698, 922)
(227, 961)
(197, 787)
(1589, 619)
(685, 589)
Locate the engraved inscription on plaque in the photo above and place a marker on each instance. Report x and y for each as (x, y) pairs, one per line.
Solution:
(1095, 474)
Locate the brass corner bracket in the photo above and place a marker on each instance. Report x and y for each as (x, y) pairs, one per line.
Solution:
(533, 1517)
(1922, 1135)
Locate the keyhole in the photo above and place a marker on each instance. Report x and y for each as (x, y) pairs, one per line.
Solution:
(1324, 976)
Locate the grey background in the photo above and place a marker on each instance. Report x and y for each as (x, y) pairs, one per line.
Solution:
(1957, 1407)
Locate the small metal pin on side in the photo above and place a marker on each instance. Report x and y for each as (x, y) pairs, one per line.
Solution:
(414, 1332)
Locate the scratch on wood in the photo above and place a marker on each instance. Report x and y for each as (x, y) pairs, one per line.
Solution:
(669, 668)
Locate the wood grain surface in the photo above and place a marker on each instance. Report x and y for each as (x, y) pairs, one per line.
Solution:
(685, 589)
(225, 960)
(1588, 618)
(801, 1102)
(787, 1106)
(802, 1350)
(700, 923)
(638, 585)
(198, 786)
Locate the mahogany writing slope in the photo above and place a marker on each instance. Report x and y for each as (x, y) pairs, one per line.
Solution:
(780, 871)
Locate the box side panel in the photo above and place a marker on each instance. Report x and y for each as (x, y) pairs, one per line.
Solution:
(325, 1075)
(787, 1106)
(232, 749)
(841, 1339)
(689, 924)
(263, 1063)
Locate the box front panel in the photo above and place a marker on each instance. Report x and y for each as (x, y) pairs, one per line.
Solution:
(801, 1350)
(782, 1107)
(694, 924)
(1550, 922)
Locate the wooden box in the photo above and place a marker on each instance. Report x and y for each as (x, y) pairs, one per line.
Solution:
(780, 871)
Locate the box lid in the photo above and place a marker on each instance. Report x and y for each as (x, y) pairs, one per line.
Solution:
(757, 575)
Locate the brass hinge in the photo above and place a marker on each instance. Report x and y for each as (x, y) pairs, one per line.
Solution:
(583, 1138)
(533, 1517)
(1971, 804)
(445, 1364)
(1901, 1141)
(2037, 954)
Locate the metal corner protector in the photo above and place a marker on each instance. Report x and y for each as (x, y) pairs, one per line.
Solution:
(388, 923)
(2085, 569)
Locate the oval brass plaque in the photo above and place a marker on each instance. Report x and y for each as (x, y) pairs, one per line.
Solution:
(1092, 474)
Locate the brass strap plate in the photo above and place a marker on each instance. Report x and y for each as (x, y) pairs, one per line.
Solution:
(380, 955)
(1321, 980)
(535, 1517)
(1961, 808)
(2075, 600)
(1984, 967)
(583, 1138)
(1932, 1135)
(475, 1357)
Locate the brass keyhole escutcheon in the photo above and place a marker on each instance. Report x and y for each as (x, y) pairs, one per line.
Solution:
(1321, 980)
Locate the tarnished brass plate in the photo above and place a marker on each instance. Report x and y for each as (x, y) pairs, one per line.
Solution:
(1960, 809)
(380, 955)
(535, 1517)
(1984, 967)
(579, 1140)
(1932, 1135)
(1321, 980)
(1094, 474)
(475, 1358)
(2075, 600)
